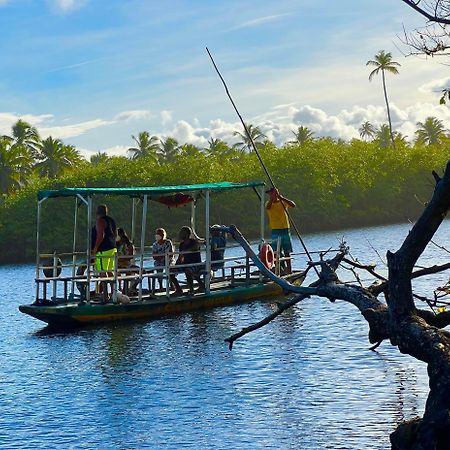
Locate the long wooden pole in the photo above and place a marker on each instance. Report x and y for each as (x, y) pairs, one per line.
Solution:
(297, 231)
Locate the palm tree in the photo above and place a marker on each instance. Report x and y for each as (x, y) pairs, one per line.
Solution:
(367, 130)
(430, 132)
(189, 150)
(169, 150)
(383, 136)
(218, 147)
(99, 158)
(303, 135)
(383, 63)
(15, 164)
(55, 157)
(256, 134)
(146, 146)
(26, 136)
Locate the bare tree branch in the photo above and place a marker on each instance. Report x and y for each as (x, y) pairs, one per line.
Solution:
(432, 17)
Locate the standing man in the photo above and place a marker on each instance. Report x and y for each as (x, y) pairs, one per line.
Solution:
(104, 236)
(279, 224)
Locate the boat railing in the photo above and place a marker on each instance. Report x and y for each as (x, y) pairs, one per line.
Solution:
(66, 273)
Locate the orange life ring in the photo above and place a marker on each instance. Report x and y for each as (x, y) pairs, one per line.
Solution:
(267, 256)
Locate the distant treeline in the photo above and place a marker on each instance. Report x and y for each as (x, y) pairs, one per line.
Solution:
(335, 184)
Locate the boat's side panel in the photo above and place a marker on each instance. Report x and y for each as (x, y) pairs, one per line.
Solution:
(88, 313)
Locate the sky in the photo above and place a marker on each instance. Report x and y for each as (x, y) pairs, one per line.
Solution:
(96, 72)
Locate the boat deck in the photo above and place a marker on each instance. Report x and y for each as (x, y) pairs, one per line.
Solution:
(77, 313)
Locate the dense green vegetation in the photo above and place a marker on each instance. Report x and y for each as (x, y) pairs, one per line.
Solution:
(336, 184)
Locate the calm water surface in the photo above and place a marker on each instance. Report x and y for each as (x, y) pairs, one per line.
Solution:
(307, 381)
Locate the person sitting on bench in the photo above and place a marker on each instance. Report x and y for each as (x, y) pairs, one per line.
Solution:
(189, 249)
(218, 244)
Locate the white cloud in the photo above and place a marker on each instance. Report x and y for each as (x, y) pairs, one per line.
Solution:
(136, 114)
(166, 117)
(77, 129)
(46, 126)
(116, 150)
(66, 6)
(278, 123)
(435, 86)
(3, 2)
(259, 21)
(185, 132)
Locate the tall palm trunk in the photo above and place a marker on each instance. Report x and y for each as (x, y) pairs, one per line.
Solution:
(388, 109)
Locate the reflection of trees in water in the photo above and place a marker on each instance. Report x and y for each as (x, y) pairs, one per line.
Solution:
(124, 347)
(210, 326)
(407, 401)
(291, 320)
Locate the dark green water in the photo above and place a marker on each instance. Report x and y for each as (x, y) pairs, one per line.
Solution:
(306, 381)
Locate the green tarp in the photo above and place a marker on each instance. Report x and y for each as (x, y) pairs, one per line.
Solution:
(151, 191)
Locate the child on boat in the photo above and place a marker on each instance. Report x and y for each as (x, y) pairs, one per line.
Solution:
(160, 248)
(125, 249)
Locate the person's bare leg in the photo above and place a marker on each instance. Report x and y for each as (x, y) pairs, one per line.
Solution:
(201, 285)
(160, 282)
(190, 280)
(174, 281)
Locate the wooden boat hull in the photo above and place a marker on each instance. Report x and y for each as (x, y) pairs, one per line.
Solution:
(77, 314)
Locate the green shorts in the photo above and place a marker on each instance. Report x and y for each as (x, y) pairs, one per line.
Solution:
(106, 263)
(285, 240)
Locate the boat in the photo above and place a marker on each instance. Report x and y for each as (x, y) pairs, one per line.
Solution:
(71, 293)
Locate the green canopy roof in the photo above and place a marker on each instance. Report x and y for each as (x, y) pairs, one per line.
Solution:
(151, 191)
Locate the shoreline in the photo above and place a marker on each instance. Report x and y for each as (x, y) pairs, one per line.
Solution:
(252, 237)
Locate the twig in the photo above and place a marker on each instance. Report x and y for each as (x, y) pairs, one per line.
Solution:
(368, 268)
(281, 308)
(374, 347)
(431, 240)
(426, 300)
(376, 252)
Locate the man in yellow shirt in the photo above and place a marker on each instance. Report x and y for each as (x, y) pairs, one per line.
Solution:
(279, 224)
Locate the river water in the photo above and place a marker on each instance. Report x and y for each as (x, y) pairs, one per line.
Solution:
(306, 381)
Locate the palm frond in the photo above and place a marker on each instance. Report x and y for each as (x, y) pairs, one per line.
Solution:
(373, 73)
(392, 70)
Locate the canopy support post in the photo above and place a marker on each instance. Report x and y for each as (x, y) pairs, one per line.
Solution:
(54, 274)
(133, 219)
(208, 245)
(263, 213)
(88, 249)
(143, 224)
(262, 219)
(167, 273)
(193, 206)
(116, 278)
(74, 247)
(38, 237)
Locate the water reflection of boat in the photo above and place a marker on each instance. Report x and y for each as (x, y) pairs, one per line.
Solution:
(66, 287)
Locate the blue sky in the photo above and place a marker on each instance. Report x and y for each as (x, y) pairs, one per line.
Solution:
(94, 72)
